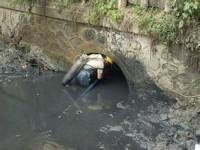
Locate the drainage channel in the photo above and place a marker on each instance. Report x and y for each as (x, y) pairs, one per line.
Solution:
(38, 113)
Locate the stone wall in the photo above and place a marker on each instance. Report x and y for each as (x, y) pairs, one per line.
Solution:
(62, 41)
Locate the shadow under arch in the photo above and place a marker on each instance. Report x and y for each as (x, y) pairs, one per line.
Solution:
(118, 66)
(137, 79)
(131, 69)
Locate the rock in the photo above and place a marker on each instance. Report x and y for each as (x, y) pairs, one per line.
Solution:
(101, 39)
(154, 64)
(121, 106)
(182, 82)
(183, 78)
(166, 81)
(170, 68)
(166, 56)
(77, 42)
(95, 107)
(53, 146)
(164, 117)
(89, 35)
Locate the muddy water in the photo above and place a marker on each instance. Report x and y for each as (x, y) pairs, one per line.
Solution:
(37, 113)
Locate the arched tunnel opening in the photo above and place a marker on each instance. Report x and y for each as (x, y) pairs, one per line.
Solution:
(110, 92)
(114, 70)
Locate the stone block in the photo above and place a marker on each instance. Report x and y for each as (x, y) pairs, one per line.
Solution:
(101, 39)
(166, 81)
(165, 55)
(182, 83)
(171, 69)
(89, 34)
(183, 78)
(154, 64)
(76, 42)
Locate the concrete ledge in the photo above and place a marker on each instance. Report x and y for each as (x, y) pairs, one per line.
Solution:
(77, 14)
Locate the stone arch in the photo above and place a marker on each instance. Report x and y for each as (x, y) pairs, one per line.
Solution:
(133, 70)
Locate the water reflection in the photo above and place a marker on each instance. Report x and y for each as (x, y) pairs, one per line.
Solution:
(40, 114)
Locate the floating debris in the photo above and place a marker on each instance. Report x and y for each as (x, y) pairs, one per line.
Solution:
(95, 107)
(121, 106)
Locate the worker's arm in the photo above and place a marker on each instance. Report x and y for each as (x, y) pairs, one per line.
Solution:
(99, 74)
(74, 70)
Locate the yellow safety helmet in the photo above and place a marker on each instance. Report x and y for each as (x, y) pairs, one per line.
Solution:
(108, 60)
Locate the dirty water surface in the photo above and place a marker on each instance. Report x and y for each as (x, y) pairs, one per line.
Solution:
(38, 113)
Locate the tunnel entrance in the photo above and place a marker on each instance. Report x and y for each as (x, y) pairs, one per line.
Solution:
(113, 71)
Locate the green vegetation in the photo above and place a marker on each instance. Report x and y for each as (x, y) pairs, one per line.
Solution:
(101, 8)
(186, 9)
(188, 14)
(157, 24)
(167, 26)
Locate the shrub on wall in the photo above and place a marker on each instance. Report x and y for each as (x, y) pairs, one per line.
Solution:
(159, 25)
(102, 8)
(168, 27)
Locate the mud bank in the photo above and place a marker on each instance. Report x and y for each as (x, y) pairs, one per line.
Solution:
(16, 61)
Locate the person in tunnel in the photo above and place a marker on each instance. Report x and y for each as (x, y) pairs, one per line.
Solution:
(88, 69)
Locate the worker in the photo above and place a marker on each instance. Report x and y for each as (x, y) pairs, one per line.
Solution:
(89, 68)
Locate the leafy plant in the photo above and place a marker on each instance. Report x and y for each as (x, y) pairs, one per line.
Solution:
(159, 25)
(186, 10)
(115, 15)
(101, 8)
(164, 28)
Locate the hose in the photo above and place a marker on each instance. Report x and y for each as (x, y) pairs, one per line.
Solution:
(74, 101)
